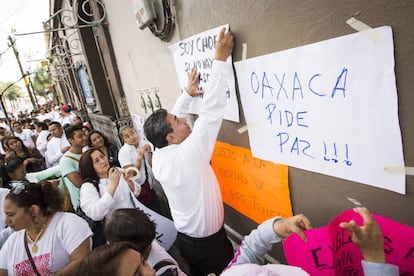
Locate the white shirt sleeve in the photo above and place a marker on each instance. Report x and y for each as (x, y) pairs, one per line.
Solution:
(198, 147)
(53, 152)
(182, 105)
(95, 206)
(4, 234)
(374, 269)
(124, 156)
(74, 231)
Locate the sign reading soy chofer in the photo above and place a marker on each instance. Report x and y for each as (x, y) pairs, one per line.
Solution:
(329, 107)
(198, 52)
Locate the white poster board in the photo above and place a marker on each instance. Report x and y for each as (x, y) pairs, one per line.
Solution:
(328, 107)
(198, 52)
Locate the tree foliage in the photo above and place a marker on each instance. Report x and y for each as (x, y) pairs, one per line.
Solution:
(10, 91)
(41, 83)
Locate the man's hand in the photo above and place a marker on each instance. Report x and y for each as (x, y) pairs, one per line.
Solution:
(192, 85)
(295, 224)
(224, 45)
(368, 237)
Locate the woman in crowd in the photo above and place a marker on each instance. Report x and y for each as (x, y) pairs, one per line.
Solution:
(104, 189)
(4, 232)
(97, 140)
(117, 259)
(14, 171)
(4, 133)
(47, 241)
(77, 120)
(6, 150)
(31, 157)
(134, 226)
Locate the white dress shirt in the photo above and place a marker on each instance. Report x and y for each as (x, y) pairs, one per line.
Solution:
(184, 169)
(54, 150)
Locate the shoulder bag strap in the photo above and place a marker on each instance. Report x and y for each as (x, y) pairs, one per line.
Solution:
(30, 255)
(162, 263)
(71, 157)
(131, 195)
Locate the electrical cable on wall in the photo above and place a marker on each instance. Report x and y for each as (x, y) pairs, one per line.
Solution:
(168, 26)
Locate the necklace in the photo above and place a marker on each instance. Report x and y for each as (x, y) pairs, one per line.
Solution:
(34, 246)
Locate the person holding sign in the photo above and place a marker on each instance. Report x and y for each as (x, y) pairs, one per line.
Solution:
(181, 163)
(249, 256)
(370, 240)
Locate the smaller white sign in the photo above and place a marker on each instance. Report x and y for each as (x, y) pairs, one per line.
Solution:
(198, 52)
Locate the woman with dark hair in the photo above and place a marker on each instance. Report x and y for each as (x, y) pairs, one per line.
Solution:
(97, 140)
(46, 241)
(117, 259)
(77, 120)
(6, 149)
(104, 189)
(133, 225)
(4, 133)
(31, 157)
(14, 171)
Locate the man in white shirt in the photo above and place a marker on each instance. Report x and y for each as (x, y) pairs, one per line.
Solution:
(25, 134)
(44, 116)
(66, 115)
(181, 163)
(57, 146)
(42, 134)
(54, 113)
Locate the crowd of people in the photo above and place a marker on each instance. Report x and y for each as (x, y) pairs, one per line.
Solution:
(74, 204)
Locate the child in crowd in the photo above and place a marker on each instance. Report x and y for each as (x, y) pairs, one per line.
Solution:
(137, 153)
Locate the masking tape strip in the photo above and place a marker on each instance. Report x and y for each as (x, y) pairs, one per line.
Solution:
(362, 27)
(244, 53)
(243, 129)
(400, 170)
(354, 201)
(129, 169)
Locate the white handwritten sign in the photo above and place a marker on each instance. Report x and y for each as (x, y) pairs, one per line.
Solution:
(329, 107)
(198, 52)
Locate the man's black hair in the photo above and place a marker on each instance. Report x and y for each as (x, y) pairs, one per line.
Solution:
(156, 128)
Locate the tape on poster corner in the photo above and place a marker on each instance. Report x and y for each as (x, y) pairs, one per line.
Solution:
(244, 53)
(244, 128)
(354, 201)
(362, 27)
(400, 170)
(244, 56)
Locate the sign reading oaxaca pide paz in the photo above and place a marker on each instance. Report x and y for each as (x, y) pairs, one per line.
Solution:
(328, 107)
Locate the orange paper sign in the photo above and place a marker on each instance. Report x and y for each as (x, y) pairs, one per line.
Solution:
(256, 188)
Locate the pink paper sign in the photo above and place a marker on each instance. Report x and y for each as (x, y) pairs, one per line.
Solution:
(330, 251)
